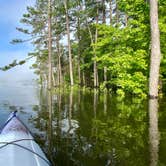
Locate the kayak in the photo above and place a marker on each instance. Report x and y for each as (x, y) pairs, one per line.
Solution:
(17, 145)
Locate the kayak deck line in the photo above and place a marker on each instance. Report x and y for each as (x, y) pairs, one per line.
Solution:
(25, 148)
(12, 115)
(15, 136)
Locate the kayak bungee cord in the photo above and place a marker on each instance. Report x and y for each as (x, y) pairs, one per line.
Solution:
(25, 148)
(14, 125)
(14, 115)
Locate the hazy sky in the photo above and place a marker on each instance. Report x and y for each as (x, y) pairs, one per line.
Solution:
(10, 13)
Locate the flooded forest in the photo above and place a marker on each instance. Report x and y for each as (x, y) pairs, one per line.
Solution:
(99, 96)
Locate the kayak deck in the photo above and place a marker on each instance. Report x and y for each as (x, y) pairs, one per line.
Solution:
(17, 146)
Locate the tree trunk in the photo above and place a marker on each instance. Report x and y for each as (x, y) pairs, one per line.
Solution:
(83, 75)
(96, 80)
(79, 52)
(103, 12)
(59, 68)
(104, 22)
(154, 135)
(117, 13)
(94, 41)
(53, 79)
(155, 50)
(69, 44)
(105, 73)
(110, 12)
(49, 47)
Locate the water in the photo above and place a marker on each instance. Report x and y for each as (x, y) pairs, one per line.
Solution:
(85, 128)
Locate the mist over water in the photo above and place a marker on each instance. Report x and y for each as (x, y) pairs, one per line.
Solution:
(18, 91)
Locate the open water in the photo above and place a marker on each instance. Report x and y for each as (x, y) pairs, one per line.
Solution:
(88, 128)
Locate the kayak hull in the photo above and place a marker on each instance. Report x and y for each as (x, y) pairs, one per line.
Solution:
(17, 146)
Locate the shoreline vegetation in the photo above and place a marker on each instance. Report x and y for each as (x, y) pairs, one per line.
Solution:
(110, 45)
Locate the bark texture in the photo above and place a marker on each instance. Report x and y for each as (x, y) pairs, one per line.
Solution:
(155, 50)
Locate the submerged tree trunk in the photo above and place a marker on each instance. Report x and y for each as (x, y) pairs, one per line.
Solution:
(154, 135)
(49, 47)
(69, 44)
(155, 50)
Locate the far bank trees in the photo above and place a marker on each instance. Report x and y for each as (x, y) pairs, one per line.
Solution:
(99, 44)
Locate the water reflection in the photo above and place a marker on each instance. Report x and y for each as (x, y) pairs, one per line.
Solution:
(50, 120)
(89, 128)
(93, 129)
(153, 132)
(105, 101)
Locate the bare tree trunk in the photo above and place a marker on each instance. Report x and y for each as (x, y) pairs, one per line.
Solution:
(53, 79)
(69, 44)
(49, 47)
(59, 68)
(110, 12)
(105, 73)
(104, 21)
(94, 41)
(103, 12)
(95, 71)
(117, 13)
(155, 50)
(96, 79)
(79, 54)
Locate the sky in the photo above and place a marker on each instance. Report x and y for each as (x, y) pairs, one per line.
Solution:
(11, 12)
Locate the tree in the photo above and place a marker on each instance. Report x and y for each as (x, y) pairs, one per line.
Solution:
(155, 50)
(49, 46)
(68, 40)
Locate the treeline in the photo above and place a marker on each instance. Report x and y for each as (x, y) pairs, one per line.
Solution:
(102, 44)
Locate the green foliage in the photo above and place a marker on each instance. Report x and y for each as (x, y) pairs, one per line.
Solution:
(13, 64)
(162, 24)
(126, 64)
(121, 46)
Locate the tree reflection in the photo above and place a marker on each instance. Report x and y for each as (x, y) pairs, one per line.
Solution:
(153, 132)
(70, 108)
(50, 127)
(105, 101)
(79, 132)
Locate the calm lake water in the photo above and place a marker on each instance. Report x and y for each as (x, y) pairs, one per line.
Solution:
(85, 128)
